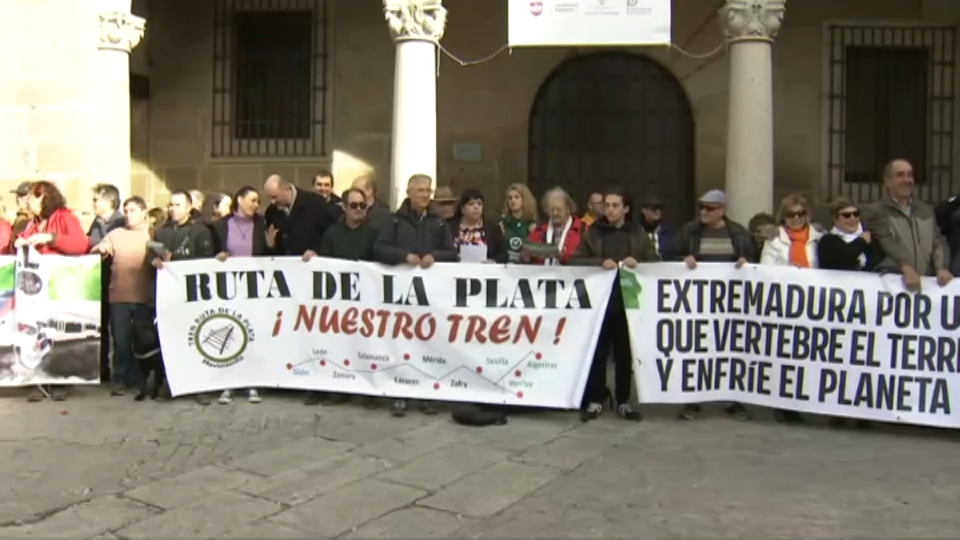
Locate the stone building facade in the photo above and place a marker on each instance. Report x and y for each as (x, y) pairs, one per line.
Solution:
(763, 97)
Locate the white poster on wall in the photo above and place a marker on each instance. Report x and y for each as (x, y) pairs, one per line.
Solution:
(588, 22)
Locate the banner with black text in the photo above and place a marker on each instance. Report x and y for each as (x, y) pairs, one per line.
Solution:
(847, 344)
(459, 332)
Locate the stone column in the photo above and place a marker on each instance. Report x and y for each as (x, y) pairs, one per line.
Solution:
(416, 27)
(119, 33)
(750, 26)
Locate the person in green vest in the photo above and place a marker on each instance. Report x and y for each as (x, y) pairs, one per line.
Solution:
(518, 220)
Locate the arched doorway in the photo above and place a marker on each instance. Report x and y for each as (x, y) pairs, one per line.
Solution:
(614, 118)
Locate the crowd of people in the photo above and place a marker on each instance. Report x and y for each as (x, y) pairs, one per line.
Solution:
(897, 234)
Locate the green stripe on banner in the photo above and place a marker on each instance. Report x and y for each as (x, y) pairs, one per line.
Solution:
(8, 276)
(74, 280)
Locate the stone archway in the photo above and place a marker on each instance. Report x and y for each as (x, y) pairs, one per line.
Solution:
(614, 118)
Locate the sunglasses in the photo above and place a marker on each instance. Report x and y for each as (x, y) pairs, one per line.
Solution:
(801, 214)
(358, 206)
(848, 215)
(708, 207)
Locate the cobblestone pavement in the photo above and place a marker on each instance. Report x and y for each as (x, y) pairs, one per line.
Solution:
(101, 467)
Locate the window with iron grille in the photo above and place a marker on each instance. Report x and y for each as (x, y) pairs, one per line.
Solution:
(270, 78)
(890, 96)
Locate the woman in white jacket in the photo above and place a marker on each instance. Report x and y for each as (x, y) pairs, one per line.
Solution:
(794, 245)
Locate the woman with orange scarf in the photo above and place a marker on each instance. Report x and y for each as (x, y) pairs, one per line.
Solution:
(795, 245)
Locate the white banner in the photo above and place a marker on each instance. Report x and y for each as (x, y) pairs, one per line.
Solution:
(49, 319)
(588, 22)
(835, 343)
(455, 332)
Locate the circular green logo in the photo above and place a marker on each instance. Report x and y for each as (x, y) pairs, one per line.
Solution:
(221, 340)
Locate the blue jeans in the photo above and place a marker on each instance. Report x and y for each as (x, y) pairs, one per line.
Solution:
(126, 370)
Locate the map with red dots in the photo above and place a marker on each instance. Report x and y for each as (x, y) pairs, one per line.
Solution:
(497, 375)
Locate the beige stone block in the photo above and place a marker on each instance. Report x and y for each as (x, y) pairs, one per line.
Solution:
(176, 178)
(141, 183)
(306, 173)
(233, 177)
(210, 179)
(182, 148)
(63, 157)
(46, 91)
(48, 122)
(12, 122)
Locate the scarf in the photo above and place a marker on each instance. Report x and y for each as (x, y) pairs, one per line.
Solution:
(850, 237)
(563, 237)
(798, 246)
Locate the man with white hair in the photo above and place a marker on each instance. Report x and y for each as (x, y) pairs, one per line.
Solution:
(301, 217)
(417, 237)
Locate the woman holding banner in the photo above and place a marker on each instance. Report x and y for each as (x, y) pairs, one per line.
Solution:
(794, 245)
(53, 230)
(243, 233)
(848, 247)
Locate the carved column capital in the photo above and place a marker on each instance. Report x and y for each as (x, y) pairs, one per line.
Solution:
(120, 31)
(752, 19)
(415, 19)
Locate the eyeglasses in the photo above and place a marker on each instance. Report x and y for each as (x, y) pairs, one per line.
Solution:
(709, 207)
(848, 215)
(358, 206)
(794, 215)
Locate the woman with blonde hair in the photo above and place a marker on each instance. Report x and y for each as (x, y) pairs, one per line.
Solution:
(795, 244)
(518, 220)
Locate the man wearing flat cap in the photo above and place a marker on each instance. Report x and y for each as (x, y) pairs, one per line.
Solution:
(714, 238)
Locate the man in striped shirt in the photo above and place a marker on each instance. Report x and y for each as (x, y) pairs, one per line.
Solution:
(714, 238)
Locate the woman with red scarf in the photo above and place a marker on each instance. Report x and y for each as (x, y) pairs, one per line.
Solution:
(53, 230)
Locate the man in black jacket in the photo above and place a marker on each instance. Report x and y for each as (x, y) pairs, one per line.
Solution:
(107, 217)
(417, 237)
(183, 238)
(301, 217)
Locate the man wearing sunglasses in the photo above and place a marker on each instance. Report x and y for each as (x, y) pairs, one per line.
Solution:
(351, 238)
(714, 238)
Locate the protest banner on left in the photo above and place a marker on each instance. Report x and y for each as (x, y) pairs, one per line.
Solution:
(457, 332)
(49, 319)
(846, 344)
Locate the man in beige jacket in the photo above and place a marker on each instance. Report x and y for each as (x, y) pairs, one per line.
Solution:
(906, 230)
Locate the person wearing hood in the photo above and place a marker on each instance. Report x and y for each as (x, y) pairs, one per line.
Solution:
(415, 236)
(650, 220)
(612, 240)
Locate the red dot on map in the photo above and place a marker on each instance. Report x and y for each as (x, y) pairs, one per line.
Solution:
(520, 394)
(323, 363)
(373, 367)
(538, 356)
(346, 361)
(436, 386)
(406, 356)
(289, 366)
(479, 370)
(517, 373)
